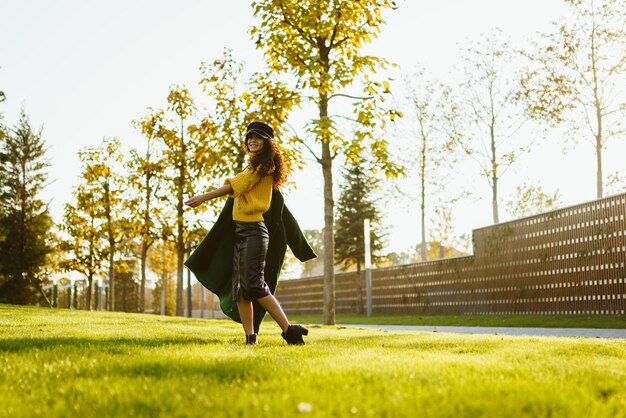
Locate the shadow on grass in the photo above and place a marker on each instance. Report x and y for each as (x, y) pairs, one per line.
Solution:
(122, 357)
(222, 370)
(110, 345)
(321, 346)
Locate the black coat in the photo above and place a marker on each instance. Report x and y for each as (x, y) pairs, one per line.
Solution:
(212, 261)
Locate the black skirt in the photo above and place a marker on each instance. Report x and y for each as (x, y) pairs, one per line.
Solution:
(251, 241)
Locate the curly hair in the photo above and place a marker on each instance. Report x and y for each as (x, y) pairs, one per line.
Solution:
(267, 160)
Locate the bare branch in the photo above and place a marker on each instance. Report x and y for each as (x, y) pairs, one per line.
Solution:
(303, 142)
(351, 97)
(344, 117)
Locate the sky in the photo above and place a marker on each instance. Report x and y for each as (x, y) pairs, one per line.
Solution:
(84, 70)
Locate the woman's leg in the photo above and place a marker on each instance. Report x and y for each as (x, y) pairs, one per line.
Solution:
(246, 314)
(271, 305)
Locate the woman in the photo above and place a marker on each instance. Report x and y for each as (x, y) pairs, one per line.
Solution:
(252, 191)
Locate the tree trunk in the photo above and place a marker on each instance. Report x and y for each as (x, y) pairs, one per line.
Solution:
(494, 176)
(107, 198)
(180, 243)
(180, 252)
(359, 288)
(111, 283)
(424, 250)
(329, 204)
(494, 200)
(89, 290)
(43, 293)
(163, 284)
(142, 289)
(124, 286)
(598, 107)
(189, 289)
(329, 244)
(90, 269)
(145, 229)
(600, 192)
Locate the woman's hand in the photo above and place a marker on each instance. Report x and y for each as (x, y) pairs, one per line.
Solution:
(196, 200)
(201, 198)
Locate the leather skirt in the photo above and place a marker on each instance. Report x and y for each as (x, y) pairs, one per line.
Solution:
(251, 241)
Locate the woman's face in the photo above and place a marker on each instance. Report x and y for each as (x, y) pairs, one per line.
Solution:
(255, 143)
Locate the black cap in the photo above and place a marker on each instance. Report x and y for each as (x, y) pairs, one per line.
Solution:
(261, 129)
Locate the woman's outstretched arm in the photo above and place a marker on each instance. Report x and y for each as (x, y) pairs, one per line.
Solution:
(201, 198)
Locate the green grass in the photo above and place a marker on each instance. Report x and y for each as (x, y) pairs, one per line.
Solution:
(542, 321)
(59, 363)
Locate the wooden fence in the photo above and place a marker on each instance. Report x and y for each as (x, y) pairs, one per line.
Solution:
(568, 261)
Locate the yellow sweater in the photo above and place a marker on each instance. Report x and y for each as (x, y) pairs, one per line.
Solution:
(252, 195)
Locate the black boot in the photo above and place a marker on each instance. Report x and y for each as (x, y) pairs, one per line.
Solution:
(251, 339)
(294, 334)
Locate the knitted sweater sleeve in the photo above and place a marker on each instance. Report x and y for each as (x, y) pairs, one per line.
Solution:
(243, 182)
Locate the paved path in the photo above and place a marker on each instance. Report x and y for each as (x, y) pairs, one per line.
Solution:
(544, 332)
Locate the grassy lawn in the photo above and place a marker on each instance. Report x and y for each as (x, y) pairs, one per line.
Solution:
(542, 321)
(59, 363)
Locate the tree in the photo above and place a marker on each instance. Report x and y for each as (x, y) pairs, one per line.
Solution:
(3, 97)
(486, 120)
(102, 171)
(162, 261)
(394, 258)
(221, 131)
(445, 242)
(531, 200)
(146, 176)
(319, 45)
(3, 161)
(52, 266)
(428, 100)
(182, 105)
(178, 151)
(356, 204)
(84, 246)
(576, 75)
(127, 289)
(616, 183)
(235, 102)
(25, 221)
